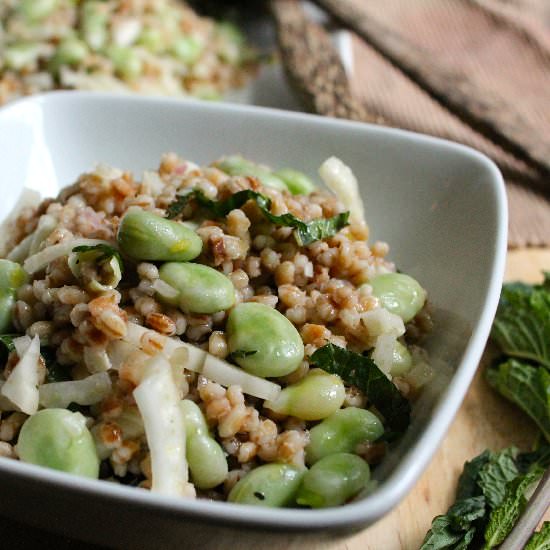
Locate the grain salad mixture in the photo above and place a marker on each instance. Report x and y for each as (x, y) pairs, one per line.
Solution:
(224, 332)
(146, 46)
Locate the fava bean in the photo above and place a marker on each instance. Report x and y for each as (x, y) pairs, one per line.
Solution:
(333, 480)
(193, 419)
(296, 182)
(272, 485)
(152, 39)
(126, 62)
(59, 439)
(12, 275)
(146, 236)
(201, 289)
(264, 342)
(402, 360)
(94, 19)
(342, 432)
(399, 294)
(207, 462)
(70, 51)
(17, 56)
(316, 396)
(187, 49)
(7, 301)
(35, 10)
(236, 165)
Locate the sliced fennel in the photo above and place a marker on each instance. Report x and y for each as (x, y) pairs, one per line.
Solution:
(87, 391)
(339, 178)
(21, 387)
(197, 360)
(41, 259)
(158, 401)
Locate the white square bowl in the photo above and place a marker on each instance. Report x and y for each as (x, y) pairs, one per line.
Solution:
(441, 206)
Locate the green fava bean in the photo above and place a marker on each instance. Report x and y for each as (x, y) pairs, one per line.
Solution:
(207, 462)
(193, 419)
(399, 294)
(7, 301)
(59, 439)
(296, 182)
(402, 360)
(205, 456)
(316, 396)
(238, 166)
(12, 275)
(145, 236)
(188, 49)
(126, 62)
(272, 485)
(201, 289)
(264, 341)
(69, 52)
(342, 432)
(333, 480)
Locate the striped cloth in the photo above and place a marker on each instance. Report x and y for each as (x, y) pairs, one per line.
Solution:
(504, 48)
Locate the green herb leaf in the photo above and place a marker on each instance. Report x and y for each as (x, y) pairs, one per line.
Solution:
(504, 517)
(7, 341)
(464, 512)
(522, 323)
(304, 232)
(442, 536)
(362, 372)
(541, 539)
(54, 371)
(496, 473)
(104, 253)
(176, 207)
(526, 386)
(540, 456)
(467, 482)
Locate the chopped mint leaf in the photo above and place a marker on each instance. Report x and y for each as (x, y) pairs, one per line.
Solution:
(362, 372)
(304, 232)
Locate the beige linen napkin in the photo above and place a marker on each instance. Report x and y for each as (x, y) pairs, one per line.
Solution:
(504, 48)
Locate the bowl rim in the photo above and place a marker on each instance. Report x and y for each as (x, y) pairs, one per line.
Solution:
(400, 481)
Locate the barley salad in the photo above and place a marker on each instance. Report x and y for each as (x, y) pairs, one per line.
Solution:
(223, 332)
(157, 47)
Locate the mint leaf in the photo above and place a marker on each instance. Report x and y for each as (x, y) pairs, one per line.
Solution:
(496, 473)
(362, 372)
(541, 539)
(464, 512)
(467, 482)
(442, 536)
(304, 232)
(54, 371)
(526, 386)
(7, 341)
(175, 208)
(522, 324)
(504, 517)
(540, 456)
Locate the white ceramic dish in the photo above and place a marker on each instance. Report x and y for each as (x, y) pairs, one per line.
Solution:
(441, 206)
